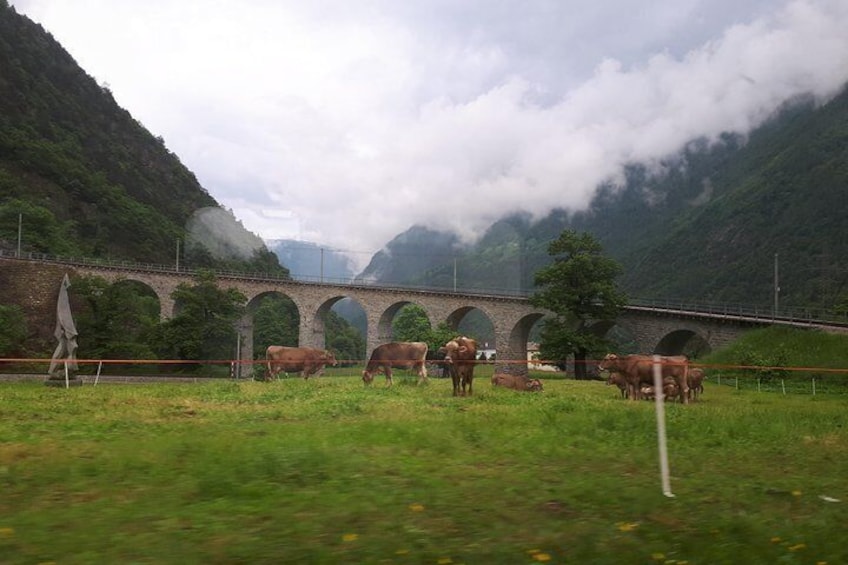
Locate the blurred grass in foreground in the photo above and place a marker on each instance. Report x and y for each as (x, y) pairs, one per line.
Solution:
(329, 471)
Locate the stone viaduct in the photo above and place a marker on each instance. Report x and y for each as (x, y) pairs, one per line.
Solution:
(35, 283)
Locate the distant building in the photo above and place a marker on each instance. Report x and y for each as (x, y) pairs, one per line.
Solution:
(533, 359)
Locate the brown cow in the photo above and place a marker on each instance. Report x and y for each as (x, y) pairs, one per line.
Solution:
(696, 382)
(305, 360)
(639, 369)
(517, 382)
(460, 356)
(399, 355)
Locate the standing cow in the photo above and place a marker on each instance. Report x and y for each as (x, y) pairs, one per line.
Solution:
(305, 360)
(639, 369)
(398, 355)
(696, 382)
(460, 356)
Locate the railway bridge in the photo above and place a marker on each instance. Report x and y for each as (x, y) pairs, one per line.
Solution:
(33, 282)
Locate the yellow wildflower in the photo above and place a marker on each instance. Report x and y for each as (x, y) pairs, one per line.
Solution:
(776, 539)
(445, 560)
(627, 526)
(401, 552)
(542, 557)
(797, 546)
(796, 493)
(350, 537)
(658, 556)
(416, 507)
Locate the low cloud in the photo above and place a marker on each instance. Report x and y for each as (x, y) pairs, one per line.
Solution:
(345, 123)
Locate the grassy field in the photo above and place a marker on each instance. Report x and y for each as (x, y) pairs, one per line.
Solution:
(329, 471)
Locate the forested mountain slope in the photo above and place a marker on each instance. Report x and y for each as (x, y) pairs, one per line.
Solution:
(85, 176)
(704, 225)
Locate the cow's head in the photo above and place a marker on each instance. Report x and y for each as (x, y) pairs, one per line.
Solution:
(534, 385)
(460, 348)
(329, 358)
(609, 361)
(367, 377)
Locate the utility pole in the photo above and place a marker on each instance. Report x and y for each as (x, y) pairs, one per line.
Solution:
(776, 288)
(20, 231)
(454, 274)
(178, 255)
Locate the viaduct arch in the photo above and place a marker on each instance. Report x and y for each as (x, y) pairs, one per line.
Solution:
(512, 317)
(34, 282)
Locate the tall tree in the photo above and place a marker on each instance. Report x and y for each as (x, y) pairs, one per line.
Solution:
(115, 321)
(411, 324)
(13, 330)
(343, 339)
(578, 286)
(275, 322)
(204, 325)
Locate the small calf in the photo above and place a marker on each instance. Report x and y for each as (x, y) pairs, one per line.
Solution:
(619, 380)
(517, 382)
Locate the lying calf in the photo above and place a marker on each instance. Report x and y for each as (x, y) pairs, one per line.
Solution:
(516, 382)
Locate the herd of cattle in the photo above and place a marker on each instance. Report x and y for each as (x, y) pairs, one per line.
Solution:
(633, 374)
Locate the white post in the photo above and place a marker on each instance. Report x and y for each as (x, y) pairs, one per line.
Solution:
(238, 355)
(783, 386)
(814, 386)
(67, 381)
(659, 402)
(97, 376)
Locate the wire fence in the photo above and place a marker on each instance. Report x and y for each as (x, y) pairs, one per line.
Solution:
(757, 378)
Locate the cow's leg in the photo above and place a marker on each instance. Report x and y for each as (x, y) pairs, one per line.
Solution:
(422, 373)
(470, 382)
(388, 375)
(635, 389)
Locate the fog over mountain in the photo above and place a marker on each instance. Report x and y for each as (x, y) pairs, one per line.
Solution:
(346, 123)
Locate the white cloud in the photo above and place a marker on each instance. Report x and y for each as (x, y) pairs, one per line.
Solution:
(344, 123)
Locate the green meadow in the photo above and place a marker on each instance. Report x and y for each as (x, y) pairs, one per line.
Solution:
(330, 471)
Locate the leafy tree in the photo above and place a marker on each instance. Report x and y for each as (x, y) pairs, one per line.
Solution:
(343, 339)
(13, 330)
(114, 321)
(204, 325)
(40, 230)
(411, 324)
(578, 286)
(275, 322)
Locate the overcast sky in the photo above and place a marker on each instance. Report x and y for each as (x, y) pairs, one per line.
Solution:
(345, 122)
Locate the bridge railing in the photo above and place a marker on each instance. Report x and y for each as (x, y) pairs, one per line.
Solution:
(783, 314)
(257, 275)
(789, 314)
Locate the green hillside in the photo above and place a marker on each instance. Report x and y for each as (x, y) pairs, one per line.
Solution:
(84, 176)
(706, 226)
